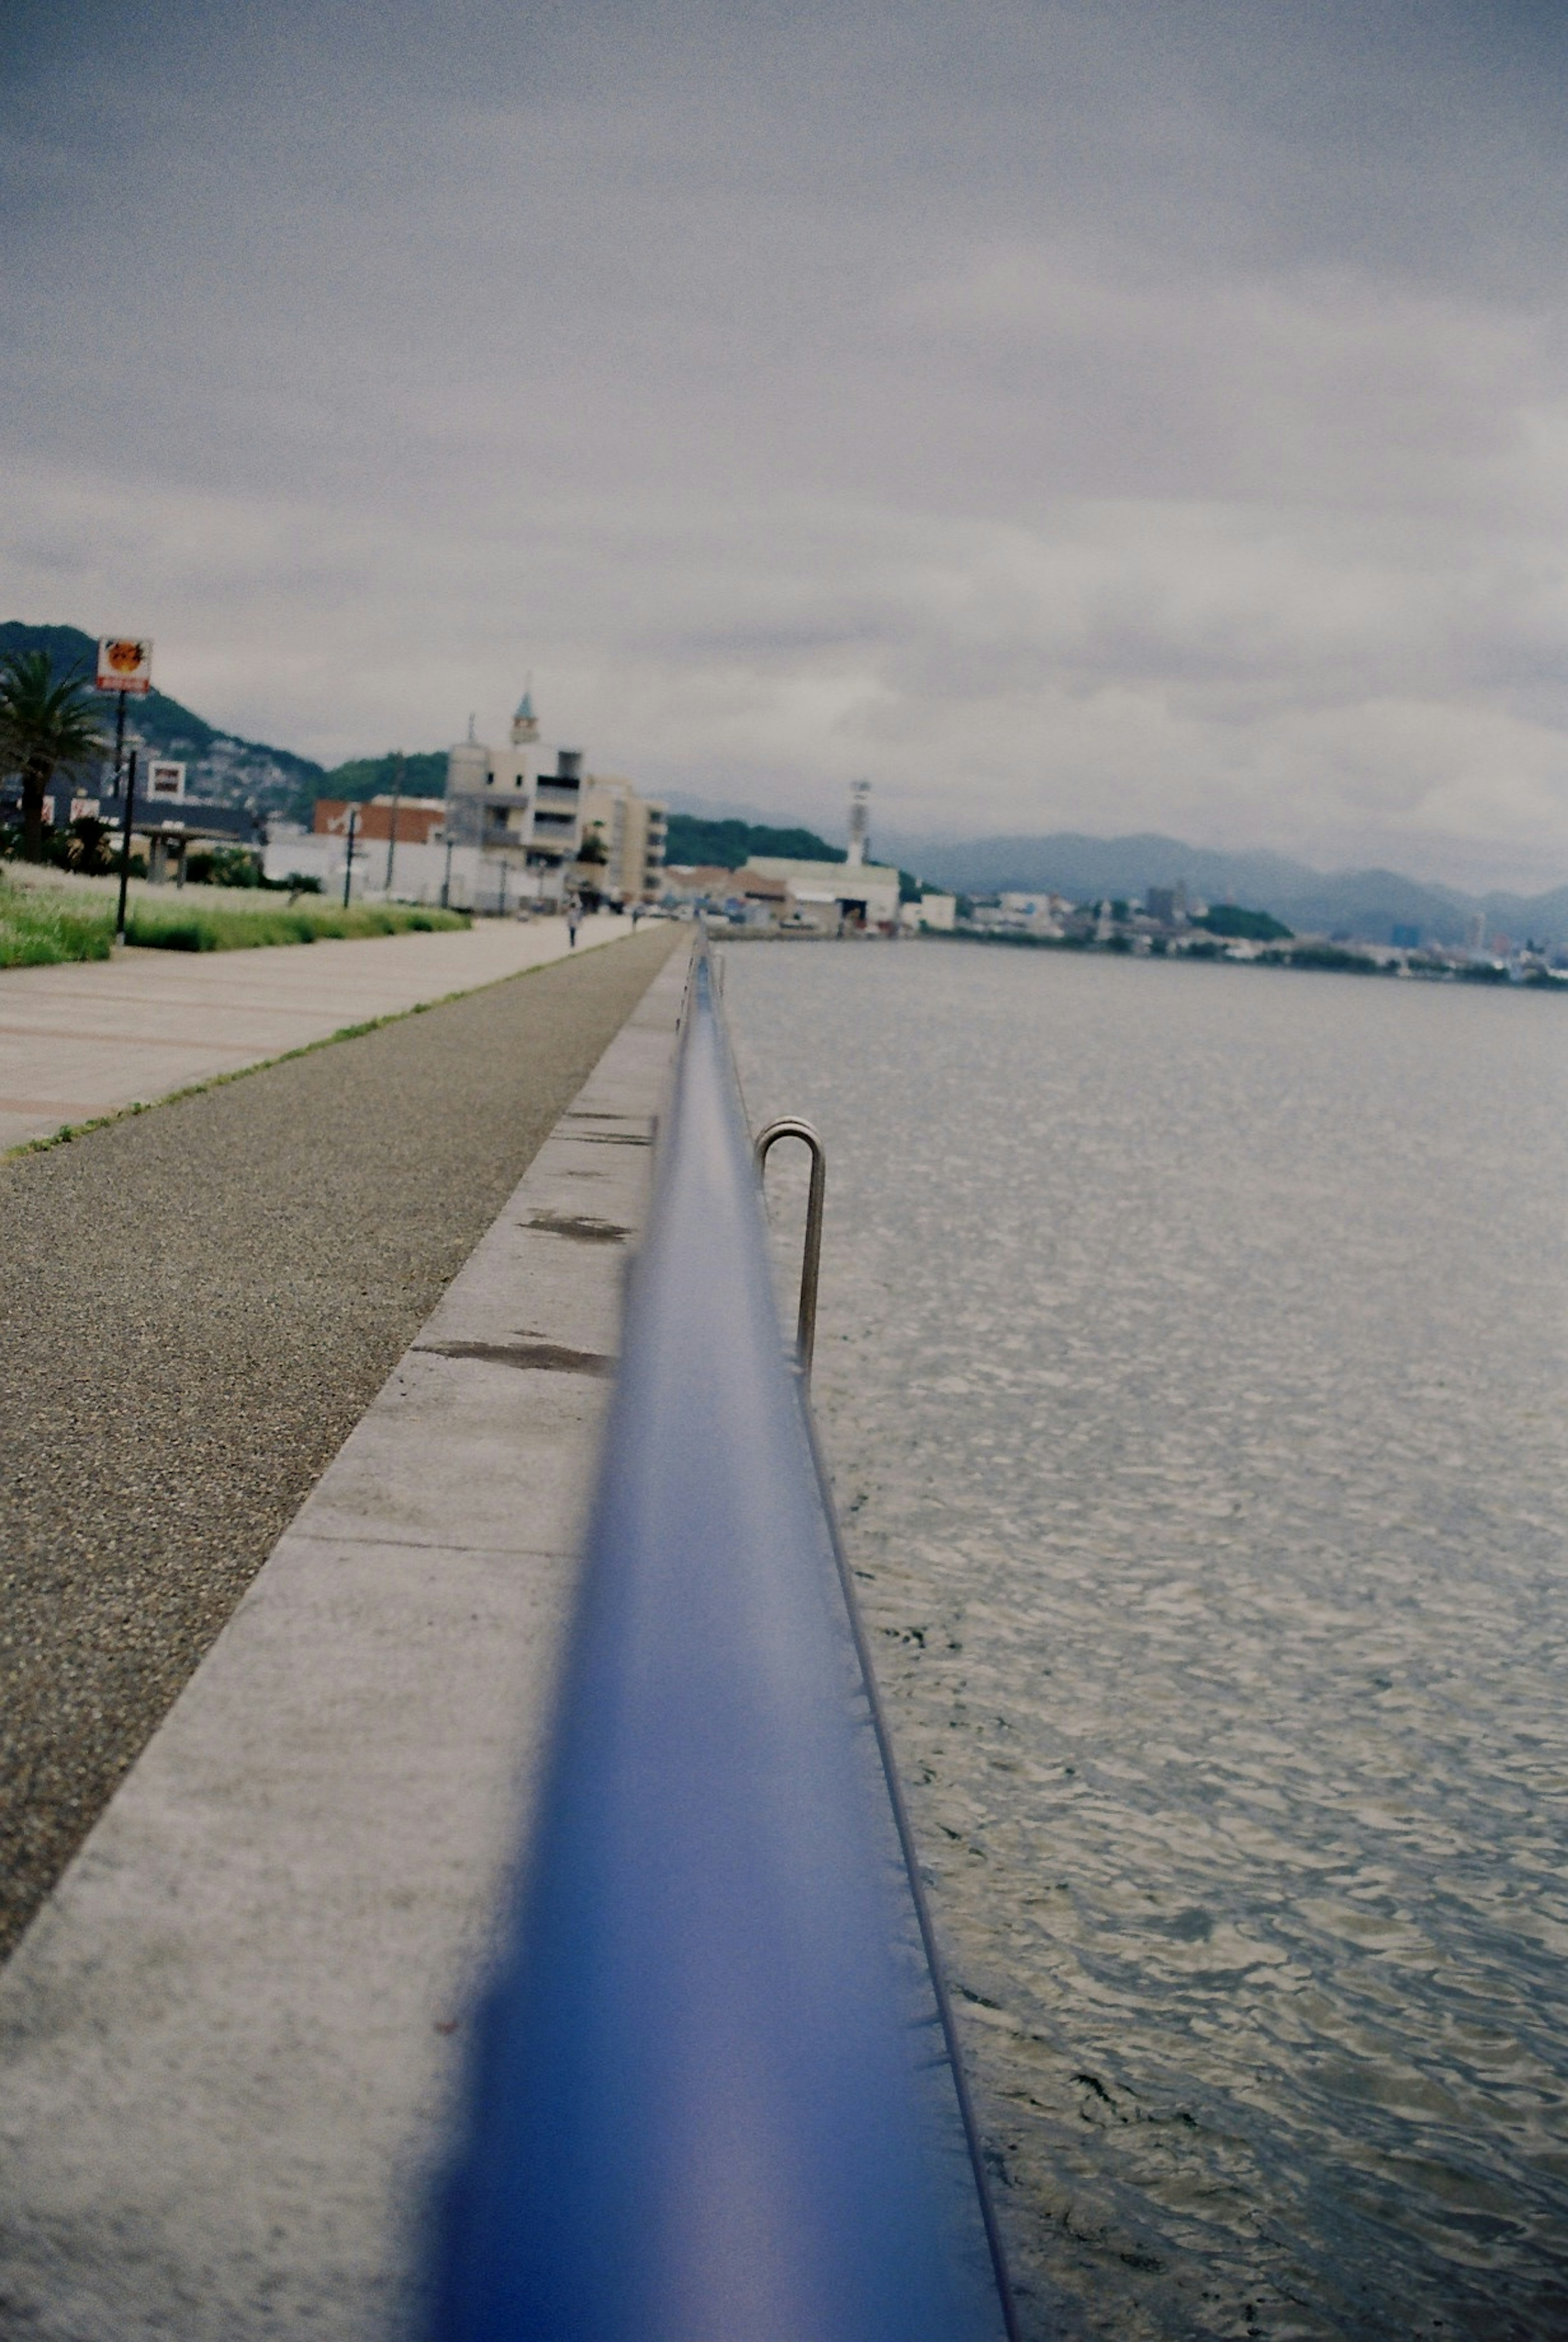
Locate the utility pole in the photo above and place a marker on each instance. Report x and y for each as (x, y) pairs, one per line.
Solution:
(396, 801)
(126, 839)
(348, 858)
(446, 882)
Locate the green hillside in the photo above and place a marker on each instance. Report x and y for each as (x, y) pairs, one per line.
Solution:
(726, 844)
(424, 775)
(223, 767)
(168, 727)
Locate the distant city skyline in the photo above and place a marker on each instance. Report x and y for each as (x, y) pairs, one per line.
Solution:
(1070, 416)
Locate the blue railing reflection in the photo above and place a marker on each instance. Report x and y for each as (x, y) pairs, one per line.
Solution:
(701, 2106)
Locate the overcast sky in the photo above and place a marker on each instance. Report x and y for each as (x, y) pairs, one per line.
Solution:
(1138, 415)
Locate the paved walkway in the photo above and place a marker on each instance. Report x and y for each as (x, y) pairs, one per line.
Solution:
(228, 2044)
(82, 1041)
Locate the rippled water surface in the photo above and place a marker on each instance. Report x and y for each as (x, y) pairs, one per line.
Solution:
(1192, 1368)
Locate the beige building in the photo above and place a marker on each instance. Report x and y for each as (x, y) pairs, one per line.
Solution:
(632, 831)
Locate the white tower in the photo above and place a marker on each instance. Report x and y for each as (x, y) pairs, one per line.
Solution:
(859, 821)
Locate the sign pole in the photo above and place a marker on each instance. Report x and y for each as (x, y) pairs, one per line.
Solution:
(125, 841)
(125, 665)
(396, 801)
(119, 739)
(348, 858)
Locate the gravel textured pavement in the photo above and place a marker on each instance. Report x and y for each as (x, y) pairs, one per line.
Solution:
(201, 1302)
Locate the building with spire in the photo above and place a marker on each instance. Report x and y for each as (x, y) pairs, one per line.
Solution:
(525, 819)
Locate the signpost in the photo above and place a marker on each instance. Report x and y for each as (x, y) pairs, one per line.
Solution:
(348, 857)
(166, 778)
(124, 665)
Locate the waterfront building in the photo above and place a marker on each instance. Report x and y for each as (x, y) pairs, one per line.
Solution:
(1037, 914)
(696, 886)
(833, 896)
(937, 913)
(1166, 906)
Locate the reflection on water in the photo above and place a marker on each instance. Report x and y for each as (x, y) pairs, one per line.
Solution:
(1193, 1367)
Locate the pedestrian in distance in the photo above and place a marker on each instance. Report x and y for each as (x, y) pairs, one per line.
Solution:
(573, 913)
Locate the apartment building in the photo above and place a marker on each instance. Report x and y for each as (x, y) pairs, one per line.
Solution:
(631, 830)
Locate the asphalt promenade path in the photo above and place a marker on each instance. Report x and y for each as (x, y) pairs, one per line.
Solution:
(80, 1041)
(200, 1303)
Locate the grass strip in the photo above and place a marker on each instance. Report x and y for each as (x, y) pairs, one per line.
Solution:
(41, 930)
(211, 929)
(46, 927)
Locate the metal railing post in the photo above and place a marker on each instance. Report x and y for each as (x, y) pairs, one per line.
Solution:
(790, 1126)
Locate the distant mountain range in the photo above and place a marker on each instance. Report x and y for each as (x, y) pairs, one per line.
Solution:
(1363, 905)
(1366, 905)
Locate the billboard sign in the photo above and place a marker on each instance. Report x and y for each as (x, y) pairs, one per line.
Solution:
(166, 780)
(124, 664)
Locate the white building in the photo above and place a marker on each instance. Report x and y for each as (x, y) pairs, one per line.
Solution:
(934, 914)
(433, 872)
(836, 894)
(1036, 915)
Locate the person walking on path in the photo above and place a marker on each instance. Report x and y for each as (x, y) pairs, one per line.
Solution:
(573, 913)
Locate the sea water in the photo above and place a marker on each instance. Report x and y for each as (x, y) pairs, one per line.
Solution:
(1193, 1370)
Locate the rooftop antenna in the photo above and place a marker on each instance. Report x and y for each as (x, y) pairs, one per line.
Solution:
(859, 821)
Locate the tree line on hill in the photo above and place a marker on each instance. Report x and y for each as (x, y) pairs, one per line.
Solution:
(730, 845)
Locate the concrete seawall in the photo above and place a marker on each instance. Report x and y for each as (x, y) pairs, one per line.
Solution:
(227, 2040)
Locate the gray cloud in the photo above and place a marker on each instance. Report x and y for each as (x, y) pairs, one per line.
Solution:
(1074, 415)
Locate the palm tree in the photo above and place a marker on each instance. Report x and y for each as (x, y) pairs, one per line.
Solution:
(46, 727)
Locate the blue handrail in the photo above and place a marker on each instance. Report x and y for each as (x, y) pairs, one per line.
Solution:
(696, 2108)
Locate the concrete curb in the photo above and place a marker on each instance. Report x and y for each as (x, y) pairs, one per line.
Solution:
(227, 2040)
